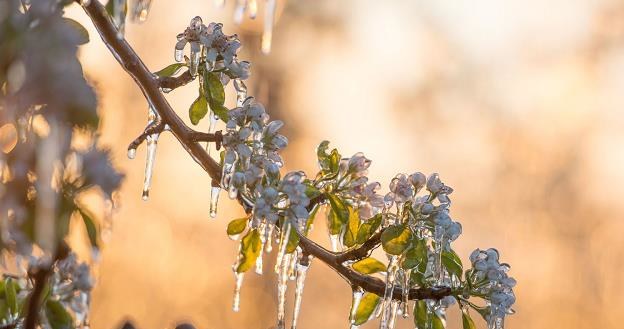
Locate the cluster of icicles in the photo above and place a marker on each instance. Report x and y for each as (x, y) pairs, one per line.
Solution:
(140, 10)
(288, 266)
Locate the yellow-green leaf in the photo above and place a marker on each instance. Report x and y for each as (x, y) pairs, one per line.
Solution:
(340, 213)
(198, 109)
(395, 239)
(293, 240)
(350, 235)
(170, 70)
(452, 262)
(11, 295)
(367, 229)
(415, 255)
(90, 227)
(214, 88)
(250, 250)
(237, 226)
(220, 111)
(467, 320)
(369, 265)
(57, 315)
(421, 316)
(368, 303)
(437, 322)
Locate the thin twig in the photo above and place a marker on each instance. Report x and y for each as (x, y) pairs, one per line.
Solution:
(172, 83)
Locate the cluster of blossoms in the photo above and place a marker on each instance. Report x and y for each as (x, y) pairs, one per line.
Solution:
(217, 49)
(489, 277)
(71, 285)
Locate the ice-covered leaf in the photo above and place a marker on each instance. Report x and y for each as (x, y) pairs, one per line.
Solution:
(437, 322)
(453, 264)
(250, 250)
(198, 110)
(353, 225)
(415, 255)
(213, 88)
(57, 315)
(366, 308)
(89, 226)
(170, 70)
(368, 228)
(421, 317)
(339, 214)
(237, 226)
(369, 265)
(467, 320)
(293, 241)
(395, 239)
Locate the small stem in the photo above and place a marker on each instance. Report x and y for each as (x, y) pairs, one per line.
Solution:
(175, 82)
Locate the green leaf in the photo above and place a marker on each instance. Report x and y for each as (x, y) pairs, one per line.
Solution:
(367, 306)
(340, 213)
(368, 228)
(453, 264)
(311, 191)
(237, 226)
(437, 322)
(213, 88)
(198, 110)
(415, 255)
(350, 235)
(467, 320)
(421, 316)
(293, 240)
(170, 70)
(220, 111)
(369, 266)
(334, 161)
(11, 295)
(90, 227)
(395, 239)
(57, 315)
(82, 33)
(250, 250)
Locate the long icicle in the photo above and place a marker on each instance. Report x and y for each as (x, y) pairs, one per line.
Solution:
(152, 143)
(282, 284)
(406, 288)
(214, 199)
(281, 249)
(262, 230)
(387, 299)
(237, 290)
(358, 292)
(269, 19)
(302, 268)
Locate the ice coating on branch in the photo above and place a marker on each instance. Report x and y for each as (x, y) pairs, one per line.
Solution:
(151, 142)
(302, 268)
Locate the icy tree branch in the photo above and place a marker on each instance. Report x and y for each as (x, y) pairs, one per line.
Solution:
(150, 86)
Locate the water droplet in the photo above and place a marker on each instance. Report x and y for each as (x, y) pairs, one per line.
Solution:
(131, 153)
(267, 34)
(141, 10)
(214, 199)
(237, 290)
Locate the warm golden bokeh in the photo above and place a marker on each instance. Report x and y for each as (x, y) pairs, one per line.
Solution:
(519, 105)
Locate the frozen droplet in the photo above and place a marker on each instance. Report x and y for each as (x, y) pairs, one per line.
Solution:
(214, 199)
(131, 153)
(178, 55)
(252, 8)
(282, 285)
(267, 34)
(232, 192)
(334, 240)
(152, 143)
(141, 10)
(301, 276)
(237, 290)
(166, 90)
(357, 297)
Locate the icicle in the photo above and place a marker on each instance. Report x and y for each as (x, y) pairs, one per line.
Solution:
(281, 249)
(131, 153)
(302, 269)
(495, 322)
(195, 56)
(334, 240)
(239, 11)
(152, 142)
(358, 292)
(282, 282)
(292, 273)
(394, 306)
(211, 128)
(252, 8)
(387, 299)
(241, 92)
(214, 199)
(406, 289)
(269, 237)
(267, 34)
(179, 55)
(237, 290)
(262, 231)
(141, 10)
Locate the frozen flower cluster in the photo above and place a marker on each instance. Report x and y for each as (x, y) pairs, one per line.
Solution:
(489, 277)
(215, 48)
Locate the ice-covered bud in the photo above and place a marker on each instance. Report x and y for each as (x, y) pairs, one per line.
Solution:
(401, 189)
(238, 179)
(454, 231)
(239, 69)
(418, 179)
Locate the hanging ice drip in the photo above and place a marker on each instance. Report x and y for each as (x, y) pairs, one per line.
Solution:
(140, 10)
(282, 285)
(302, 268)
(358, 292)
(151, 142)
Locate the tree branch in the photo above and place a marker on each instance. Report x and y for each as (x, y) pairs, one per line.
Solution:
(150, 86)
(172, 83)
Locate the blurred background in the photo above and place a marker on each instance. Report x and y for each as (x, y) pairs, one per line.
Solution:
(519, 105)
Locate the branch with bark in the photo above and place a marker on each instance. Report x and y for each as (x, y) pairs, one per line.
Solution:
(189, 139)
